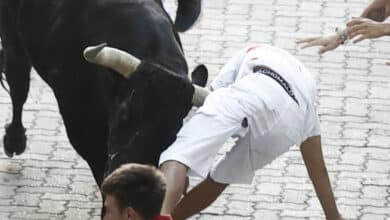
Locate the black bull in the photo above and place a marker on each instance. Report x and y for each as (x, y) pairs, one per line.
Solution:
(110, 120)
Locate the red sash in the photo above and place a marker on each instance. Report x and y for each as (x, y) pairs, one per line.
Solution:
(162, 217)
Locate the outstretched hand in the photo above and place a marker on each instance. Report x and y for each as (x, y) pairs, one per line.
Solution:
(364, 28)
(326, 43)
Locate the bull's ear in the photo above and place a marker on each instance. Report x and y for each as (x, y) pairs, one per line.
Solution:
(200, 75)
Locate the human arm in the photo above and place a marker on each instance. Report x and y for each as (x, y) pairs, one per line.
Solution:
(364, 28)
(377, 10)
(199, 198)
(312, 155)
(326, 43)
(176, 178)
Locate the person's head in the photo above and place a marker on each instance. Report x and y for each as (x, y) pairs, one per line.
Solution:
(133, 191)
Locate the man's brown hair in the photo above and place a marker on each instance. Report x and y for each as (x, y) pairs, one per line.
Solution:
(141, 187)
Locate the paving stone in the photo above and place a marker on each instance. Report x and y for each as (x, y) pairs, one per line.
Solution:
(66, 196)
(4, 215)
(86, 205)
(346, 194)
(34, 215)
(5, 202)
(240, 208)
(81, 188)
(362, 202)
(372, 216)
(269, 188)
(314, 204)
(30, 189)
(7, 191)
(255, 198)
(300, 187)
(280, 206)
(353, 185)
(292, 196)
(76, 213)
(378, 166)
(350, 212)
(53, 181)
(301, 213)
(375, 192)
(34, 173)
(51, 206)
(266, 214)
(376, 210)
(353, 158)
(16, 209)
(27, 199)
(10, 167)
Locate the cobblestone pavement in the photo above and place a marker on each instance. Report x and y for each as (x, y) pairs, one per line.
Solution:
(49, 181)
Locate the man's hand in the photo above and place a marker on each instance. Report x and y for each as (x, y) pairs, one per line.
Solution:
(364, 28)
(326, 43)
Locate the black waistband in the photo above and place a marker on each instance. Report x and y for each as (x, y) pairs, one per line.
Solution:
(278, 78)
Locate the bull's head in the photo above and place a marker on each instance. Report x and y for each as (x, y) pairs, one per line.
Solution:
(149, 111)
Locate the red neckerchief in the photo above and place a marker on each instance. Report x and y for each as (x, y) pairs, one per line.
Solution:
(162, 217)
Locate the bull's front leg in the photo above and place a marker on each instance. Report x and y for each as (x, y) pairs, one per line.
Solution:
(17, 66)
(17, 72)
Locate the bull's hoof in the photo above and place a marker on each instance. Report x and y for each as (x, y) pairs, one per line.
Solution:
(187, 13)
(14, 140)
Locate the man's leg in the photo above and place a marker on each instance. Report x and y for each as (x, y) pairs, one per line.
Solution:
(311, 150)
(199, 198)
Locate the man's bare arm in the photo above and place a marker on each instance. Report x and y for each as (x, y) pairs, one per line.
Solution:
(377, 10)
(312, 155)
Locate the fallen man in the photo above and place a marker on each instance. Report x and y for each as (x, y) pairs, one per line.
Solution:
(266, 98)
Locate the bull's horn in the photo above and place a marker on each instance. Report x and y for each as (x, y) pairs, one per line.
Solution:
(200, 95)
(118, 60)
